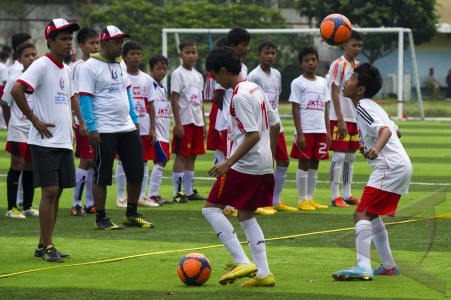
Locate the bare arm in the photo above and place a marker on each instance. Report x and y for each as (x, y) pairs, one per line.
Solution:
(342, 128)
(179, 132)
(205, 123)
(274, 132)
(6, 113)
(327, 121)
(152, 132)
(384, 135)
(218, 98)
(300, 138)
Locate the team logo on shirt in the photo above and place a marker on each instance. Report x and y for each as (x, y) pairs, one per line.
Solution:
(62, 83)
(114, 74)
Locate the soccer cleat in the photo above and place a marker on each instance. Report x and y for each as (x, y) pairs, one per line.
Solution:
(316, 205)
(15, 213)
(180, 198)
(138, 221)
(195, 196)
(354, 273)
(338, 202)
(267, 281)
(270, 208)
(159, 200)
(147, 202)
(264, 212)
(32, 212)
(106, 224)
(77, 211)
(352, 200)
(90, 209)
(305, 205)
(121, 202)
(50, 254)
(38, 253)
(387, 272)
(282, 206)
(240, 271)
(232, 212)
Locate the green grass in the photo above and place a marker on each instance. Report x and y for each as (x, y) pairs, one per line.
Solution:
(302, 265)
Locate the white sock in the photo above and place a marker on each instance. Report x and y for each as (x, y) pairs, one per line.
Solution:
(219, 157)
(311, 183)
(121, 180)
(301, 184)
(380, 239)
(256, 242)
(177, 180)
(363, 234)
(335, 173)
(20, 191)
(145, 180)
(89, 197)
(188, 181)
(226, 233)
(156, 177)
(80, 182)
(348, 171)
(280, 174)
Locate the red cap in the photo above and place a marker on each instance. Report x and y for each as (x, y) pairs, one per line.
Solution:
(59, 24)
(112, 32)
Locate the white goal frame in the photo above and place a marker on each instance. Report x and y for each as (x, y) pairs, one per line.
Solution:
(399, 30)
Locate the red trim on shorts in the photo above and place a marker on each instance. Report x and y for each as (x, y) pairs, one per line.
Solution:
(19, 149)
(378, 202)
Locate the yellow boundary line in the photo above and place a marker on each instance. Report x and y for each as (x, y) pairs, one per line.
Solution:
(209, 247)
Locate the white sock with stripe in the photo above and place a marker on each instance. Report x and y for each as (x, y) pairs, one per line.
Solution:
(301, 184)
(156, 177)
(280, 175)
(380, 239)
(121, 181)
(256, 242)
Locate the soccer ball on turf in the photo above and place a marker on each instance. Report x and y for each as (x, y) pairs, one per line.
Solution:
(194, 269)
(335, 29)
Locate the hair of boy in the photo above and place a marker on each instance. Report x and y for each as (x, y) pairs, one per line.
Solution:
(185, 44)
(22, 47)
(84, 34)
(237, 36)
(7, 48)
(158, 58)
(52, 35)
(305, 51)
(266, 44)
(370, 78)
(222, 42)
(223, 57)
(129, 46)
(4, 55)
(355, 35)
(19, 38)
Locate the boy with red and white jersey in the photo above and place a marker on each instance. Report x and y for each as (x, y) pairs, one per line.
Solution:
(189, 129)
(18, 129)
(392, 172)
(343, 124)
(158, 66)
(50, 138)
(255, 128)
(270, 80)
(309, 97)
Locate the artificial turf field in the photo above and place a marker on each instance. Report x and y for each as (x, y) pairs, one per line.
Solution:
(303, 248)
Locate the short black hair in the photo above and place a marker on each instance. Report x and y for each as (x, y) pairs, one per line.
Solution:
(19, 38)
(131, 45)
(265, 44)
(84, 34)
(184, 44)
(370, 78)
(305, 51)
(223, 57)
(237, 36)
(222, 42)
(23, 47)
(4, 54)
(355, 35)
(158, 58)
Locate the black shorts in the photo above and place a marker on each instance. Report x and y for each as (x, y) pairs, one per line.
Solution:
(53, 167)
(128, 146)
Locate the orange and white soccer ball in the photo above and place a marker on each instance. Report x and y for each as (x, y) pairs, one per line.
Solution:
(335, 29)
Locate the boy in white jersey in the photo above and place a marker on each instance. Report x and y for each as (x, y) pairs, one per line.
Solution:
(158, 66)
(18, 129)
(88, 41)
(189, 123)
(343, 126)
(392, 171)
(270, 81)
(141, 84)
(309, 96)
(50, 138)
(255, 128)
(109, 112)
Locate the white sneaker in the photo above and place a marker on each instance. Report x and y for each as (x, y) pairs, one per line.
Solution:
(121, 202)
(32, 212)
(14, 213)
(145, 201)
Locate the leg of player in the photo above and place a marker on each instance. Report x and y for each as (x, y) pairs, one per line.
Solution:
(89, 204)
(336, 167)
(81, 174)
(177, 179)
(380, 239)
(19, 201)
(12, 182)
(145, 201)
(121, 200)
(301, 184)
(28, 190)
(188, 180)
(280, 175)
(348, 171)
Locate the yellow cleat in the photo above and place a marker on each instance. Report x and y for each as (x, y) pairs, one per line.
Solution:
(270, 208)
(240, 271)
(264, 212)
(305, 205)
(232, 212)
(267, 281)
(282, 206)
(316, 205)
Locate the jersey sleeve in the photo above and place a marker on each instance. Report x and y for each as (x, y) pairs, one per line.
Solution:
(75, 75)
(176, 82)
(297, 92)
(152, 93)
(32, 77)
(273, 117)
(337, 72)
(244, 113)
(86, 80)
(371, 120)
(7, 98)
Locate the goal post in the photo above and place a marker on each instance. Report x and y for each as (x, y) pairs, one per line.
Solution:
(400, 74)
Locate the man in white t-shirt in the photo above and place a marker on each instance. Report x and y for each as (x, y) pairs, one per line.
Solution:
(255, 128)
(50, 138)
(392, 171)
(109, 112)
(4, 55)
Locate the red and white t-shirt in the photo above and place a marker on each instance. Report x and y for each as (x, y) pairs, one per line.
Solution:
(51, 84)
(189, 85)
(141, 85)
(340, 71)
(312, 97)
(392, 169)
(158, 94)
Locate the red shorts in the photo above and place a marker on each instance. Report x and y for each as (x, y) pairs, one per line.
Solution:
(230, 190)
(161, 152)
(351, 140)
(19, 149)
(281, 148)
(213, 136)
(378, 202)
(82, 147)
(317, 147)
(148, 153)
(192, 142)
